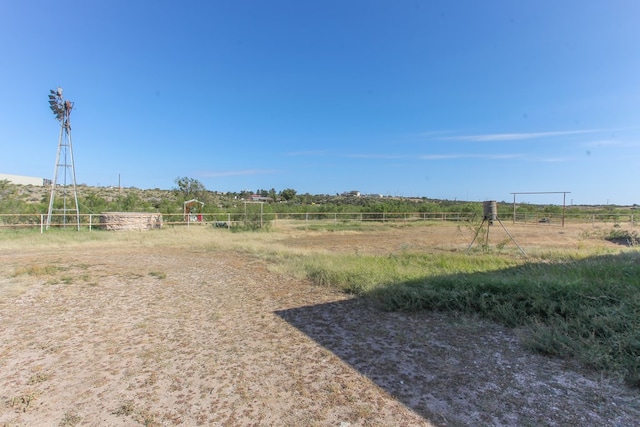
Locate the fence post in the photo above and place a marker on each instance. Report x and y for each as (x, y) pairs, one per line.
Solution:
(41, 223)
(90, 221)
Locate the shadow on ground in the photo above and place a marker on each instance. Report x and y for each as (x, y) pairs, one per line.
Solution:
(444, 369)
(456, 371)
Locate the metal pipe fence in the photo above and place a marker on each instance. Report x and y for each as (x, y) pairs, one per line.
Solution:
(258, 220)
(558, 219)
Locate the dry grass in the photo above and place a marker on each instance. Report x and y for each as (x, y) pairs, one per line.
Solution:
(194, 327)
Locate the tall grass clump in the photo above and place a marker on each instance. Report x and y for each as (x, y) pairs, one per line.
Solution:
(361, 274)
(624, 237)
(585, 308)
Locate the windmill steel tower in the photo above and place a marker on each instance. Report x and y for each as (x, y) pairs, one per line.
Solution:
(64, 160)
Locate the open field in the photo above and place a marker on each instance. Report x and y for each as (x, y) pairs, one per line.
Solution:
(207, 327)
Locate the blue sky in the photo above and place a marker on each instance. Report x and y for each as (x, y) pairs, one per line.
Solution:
(463, 100)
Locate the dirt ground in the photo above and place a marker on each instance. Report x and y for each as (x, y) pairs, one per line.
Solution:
(139, 334)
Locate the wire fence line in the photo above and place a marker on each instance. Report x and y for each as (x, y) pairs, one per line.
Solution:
(273, 220)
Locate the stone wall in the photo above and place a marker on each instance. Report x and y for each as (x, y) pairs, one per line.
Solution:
(137, 221)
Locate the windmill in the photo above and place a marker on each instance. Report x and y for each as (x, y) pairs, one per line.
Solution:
(61, 108)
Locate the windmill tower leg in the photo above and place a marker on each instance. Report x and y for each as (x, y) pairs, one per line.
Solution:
(73, 179)
(55, 179)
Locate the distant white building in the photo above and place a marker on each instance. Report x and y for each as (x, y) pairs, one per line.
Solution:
(24, 180)
(259, 198)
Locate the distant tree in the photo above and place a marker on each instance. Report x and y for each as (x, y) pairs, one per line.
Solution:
(272, 194)
(245, 194)
(288, 194)
(305, 199)
(190, 188)
(130, 202)
(93, 202)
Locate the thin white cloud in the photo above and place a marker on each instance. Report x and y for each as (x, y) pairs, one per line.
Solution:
(443, 156)
(469, 156)
(492, 137)
(375, 156)
(246, 172)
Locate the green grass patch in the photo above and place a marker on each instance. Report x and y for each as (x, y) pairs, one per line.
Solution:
(624, 237)
(585, 308)
(362, 274)
(568, 306)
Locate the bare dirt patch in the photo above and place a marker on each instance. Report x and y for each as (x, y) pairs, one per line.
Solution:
(452, 237)
(135, 334)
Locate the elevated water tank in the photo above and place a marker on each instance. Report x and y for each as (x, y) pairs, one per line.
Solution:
(490, 210)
